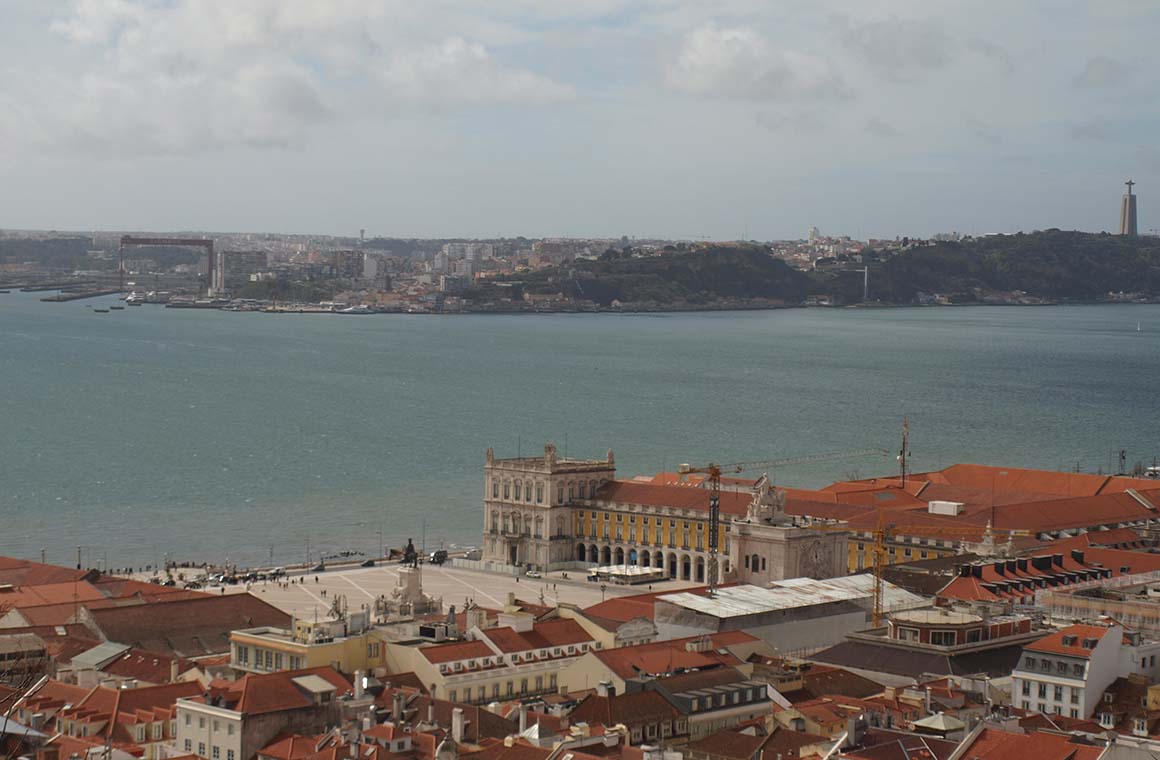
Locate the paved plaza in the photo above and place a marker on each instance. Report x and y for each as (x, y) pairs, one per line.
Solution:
(361, 586)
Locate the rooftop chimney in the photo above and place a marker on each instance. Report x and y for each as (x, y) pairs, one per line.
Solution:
(605, 689)
(523, 717)
(397, 703)
(431, 712)
(457, 725)
(173, 671)
(359, 684)
(1077, 555)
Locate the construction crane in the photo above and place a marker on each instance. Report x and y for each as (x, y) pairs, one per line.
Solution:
(883, 531)
(713, 471)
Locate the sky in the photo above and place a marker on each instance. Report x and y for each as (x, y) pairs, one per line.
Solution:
(719, 119)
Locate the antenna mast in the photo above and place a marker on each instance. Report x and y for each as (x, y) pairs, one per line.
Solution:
(904, 452)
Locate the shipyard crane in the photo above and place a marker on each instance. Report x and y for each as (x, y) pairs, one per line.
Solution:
(713, 472)
(883, 531)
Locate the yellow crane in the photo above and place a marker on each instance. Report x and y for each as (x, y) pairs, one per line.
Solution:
(714, 472)
(883, 531)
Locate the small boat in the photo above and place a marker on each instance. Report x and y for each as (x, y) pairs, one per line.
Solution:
(117, 308)
(360, 309)
(100, 311)
(3, 292)
(133, 303)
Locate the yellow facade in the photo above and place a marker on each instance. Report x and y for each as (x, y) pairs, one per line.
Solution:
(646, 530)
(267, 651)
(897, 552)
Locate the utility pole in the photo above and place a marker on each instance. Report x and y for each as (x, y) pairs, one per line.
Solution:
(904, 452)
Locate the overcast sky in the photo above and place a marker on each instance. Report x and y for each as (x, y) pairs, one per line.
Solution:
(674, 118)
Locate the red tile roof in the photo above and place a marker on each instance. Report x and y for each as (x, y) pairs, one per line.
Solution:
(190, 627)
(546, 635)
(257, 694)
(669, 656)
(456, 650)
(635, 709)
(1053, 643)
(993, 744)
(673, 497)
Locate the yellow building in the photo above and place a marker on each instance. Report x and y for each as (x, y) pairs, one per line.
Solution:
(345, 645)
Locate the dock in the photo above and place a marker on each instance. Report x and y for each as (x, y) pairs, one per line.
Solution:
(78, 295)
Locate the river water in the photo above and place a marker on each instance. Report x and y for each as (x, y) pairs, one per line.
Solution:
(208, 435)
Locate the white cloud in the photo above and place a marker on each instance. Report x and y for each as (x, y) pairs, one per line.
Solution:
(456, 71)
(738, 62)
(188, 75)
(902, 50)
(1101, 72)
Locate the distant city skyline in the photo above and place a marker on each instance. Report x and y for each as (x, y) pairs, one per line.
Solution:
(669, 119)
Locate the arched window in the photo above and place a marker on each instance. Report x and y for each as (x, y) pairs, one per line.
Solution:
(507, 489)
(753, 564)
(746, 561)
(494, 489)
(763, 563)
(539, 493)
(495, 523)
(583, 490)
(517, 494)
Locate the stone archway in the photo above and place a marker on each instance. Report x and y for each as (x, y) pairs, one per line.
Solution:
(606, 556)
(645, 559)
(686, 568)
(700, 570)
(673, 569)
(619, 556)
(581, 552)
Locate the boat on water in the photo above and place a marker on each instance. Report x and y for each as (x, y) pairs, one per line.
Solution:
(117, 308)
(360, 309)
(134, 303)
(100, 311)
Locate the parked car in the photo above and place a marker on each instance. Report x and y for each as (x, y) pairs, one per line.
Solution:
(534, 574)
(438, 557)
(367, 563)
(320, 567)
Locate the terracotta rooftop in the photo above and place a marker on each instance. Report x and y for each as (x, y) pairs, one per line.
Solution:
(1073, 640)
(186, 627)
(673, 497)
(993, 744)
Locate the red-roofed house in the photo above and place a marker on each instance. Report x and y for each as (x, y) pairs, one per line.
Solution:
(616, 666)
(993, 744)
(235, 721)
(1066, 672)
(518, 660)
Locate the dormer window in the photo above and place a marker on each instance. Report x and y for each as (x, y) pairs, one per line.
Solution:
(1109, 697)
(1069, 640)
(1140, 727)
(1090, 643)
(1107, 720)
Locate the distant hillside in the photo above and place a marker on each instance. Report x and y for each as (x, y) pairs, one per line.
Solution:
(50, 253)
(1053, 264)
(673, 278)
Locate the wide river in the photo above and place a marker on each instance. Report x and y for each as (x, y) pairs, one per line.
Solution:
(208, 435)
